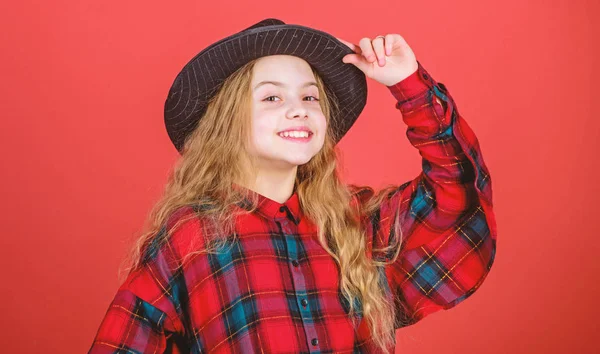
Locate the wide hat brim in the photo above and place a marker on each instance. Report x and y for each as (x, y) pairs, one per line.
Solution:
(201, 78)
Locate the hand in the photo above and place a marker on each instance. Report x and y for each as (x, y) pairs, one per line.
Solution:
(387, 60)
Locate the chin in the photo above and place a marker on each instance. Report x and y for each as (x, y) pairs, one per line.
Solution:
(300, 160)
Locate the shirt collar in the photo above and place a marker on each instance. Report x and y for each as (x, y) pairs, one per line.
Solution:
(272, 209)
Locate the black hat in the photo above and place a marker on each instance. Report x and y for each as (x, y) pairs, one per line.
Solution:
(201, 77)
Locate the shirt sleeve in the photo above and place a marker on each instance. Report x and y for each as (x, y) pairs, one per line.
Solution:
(448, 229)
(145, 314)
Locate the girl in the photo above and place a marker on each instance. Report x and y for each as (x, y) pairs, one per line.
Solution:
(257, 246)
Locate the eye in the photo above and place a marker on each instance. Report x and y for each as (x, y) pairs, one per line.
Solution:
(272, 98)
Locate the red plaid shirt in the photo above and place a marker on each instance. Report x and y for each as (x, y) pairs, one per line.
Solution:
(276, 290)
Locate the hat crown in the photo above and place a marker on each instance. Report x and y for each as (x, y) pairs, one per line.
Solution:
(266, 22)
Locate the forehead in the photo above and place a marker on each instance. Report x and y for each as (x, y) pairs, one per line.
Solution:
(282, 68)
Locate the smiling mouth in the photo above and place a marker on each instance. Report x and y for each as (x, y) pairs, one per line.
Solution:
(295, 134)
(299, 137)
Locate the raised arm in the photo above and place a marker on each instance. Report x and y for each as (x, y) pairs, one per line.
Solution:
(447, 224)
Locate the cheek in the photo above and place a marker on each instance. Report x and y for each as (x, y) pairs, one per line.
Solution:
(262, 128)
(321, 122)
(265, 118)
(262, 132)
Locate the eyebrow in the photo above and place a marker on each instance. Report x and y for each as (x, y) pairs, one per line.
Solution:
(277, 83)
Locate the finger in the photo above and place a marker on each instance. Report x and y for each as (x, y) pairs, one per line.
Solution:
(389, 44)
(352, 46)
(379, 50)
(367, 49)
(392, 41)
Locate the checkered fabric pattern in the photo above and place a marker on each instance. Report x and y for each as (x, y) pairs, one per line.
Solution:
(276, 290)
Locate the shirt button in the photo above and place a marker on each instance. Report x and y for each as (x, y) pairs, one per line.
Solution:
(314, 341)
(304, 302)
(295, 263)
(426, 77)
(282, 209)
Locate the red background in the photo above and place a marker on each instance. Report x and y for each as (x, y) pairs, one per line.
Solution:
(85, 153)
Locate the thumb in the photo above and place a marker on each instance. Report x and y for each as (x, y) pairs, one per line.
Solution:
(356, 60)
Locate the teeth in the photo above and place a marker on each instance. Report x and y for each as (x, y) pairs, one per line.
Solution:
(295, 134)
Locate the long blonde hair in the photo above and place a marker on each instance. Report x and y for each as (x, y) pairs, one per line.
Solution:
(214, 156)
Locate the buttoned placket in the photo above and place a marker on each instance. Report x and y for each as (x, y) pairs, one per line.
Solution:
(289, 232)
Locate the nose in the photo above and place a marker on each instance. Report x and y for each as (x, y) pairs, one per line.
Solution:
(296, 110)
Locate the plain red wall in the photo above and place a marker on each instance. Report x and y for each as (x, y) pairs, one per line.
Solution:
(85, 153)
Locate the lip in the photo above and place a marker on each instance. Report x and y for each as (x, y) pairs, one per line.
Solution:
(297, 140)
(299, 128)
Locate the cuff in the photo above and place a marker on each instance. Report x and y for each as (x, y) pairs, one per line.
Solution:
(414, 85)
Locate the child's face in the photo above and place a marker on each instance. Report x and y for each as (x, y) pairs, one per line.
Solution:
(290, 103)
